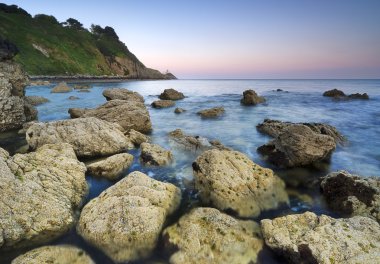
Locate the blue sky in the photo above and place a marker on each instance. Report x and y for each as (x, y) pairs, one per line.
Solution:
(239, 39)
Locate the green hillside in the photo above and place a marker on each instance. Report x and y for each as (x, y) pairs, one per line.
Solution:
(47, 47)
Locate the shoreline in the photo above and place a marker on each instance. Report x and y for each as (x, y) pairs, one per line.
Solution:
(89, 78)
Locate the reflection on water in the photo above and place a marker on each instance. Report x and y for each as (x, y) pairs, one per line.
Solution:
(358, 120)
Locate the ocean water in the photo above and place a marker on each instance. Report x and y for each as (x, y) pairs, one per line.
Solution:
(301, 101)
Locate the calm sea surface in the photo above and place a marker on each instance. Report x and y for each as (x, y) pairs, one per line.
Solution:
(357, 120)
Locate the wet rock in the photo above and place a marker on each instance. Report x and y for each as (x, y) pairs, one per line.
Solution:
(136, 137)
(73, 98)
(206, 235)
(39, 83)
(308, 238)
(171, 94)
(338, 94)
(128, 114)
(36, 100)
(62, 87)
(163, 103)
(179, 110)
(334, 93)
(90, 137)
(122, 94)
(62, 254)
(82, 87)
(111, 167)
(125, 220)
(229, 180)
(298, 146)
(352, 194)
(155, 155)
(212, 112)
(250, 97)
(40, 192)
(363, 96)
(84, 91)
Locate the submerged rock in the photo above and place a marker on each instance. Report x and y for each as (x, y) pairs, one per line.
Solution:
(334, 93)
(73, 98)
(111, 167)
(155, 155)
(338, 94)
(62, 254)
(179, 110)
(62, 87)
(352, 194)
(36, 100)
(171, 94)
(82, 86)
(84, 91)
(211, 112)
(122, 94)
(206, 235)
(88, 136)
(308, 238)
(250, 97)
(126, 220)
(229, 180)
(40, 192)
(363, 96)
(163, 103)
(136, 137)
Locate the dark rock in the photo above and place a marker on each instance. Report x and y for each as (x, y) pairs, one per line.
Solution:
(163, 103)
(73, 98)
(171, 94)
(250, 97)
(363, 96)
(7, 50)
(179, 110)
(334, 93)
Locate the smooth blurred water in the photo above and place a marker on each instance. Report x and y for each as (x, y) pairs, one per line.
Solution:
(301, 101)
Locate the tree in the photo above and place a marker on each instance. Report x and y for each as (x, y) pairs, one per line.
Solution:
(110, 32)
(46, 19)
(73, 23)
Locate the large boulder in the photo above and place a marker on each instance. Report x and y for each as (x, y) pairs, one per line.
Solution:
(206, 235)
(36, 100)
(250, 97)
(352, 194)
(308, 238)
(125, 221)
(163, 104)
(122, 94)
(229, 180)
(128, 114)
(298, 146)
(363, 96)
(88, 136)
(62, 254)
(40, 192)
(171, 94)
(111, 167)
(211, 112)
(340, 95)
(61, 87)
(334, 93)
(155, 155)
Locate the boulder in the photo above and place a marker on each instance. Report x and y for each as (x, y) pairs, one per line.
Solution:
(205, 235)
(308, 238)
(82, 87)
(163, 103)
(352, 195)
(211, 112)
(334, 93)
(61, 87)
(171, 94)
(155, 155)
(39, 83)
(136, 137)
(250, 97)
(128, 114)
(111, 167)
(179, 110)
(122, 94)
(229, 180)
(88, 136)
(36, 100)
(125, 220)
(298, 145)
(62, 254)
(363, 96)
(40, 192)
(338, 94)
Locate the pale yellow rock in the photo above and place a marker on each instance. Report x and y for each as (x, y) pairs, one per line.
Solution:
(155, 155)
(111, 167)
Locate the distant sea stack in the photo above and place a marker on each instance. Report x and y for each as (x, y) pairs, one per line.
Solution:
(50, 48)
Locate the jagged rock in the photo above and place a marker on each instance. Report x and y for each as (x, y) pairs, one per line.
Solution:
(163, 103)
(36, 100)
(128, 114)
(88, 136)
(352, 194)
(62, 87)
(206, 235)
(62, 254)
(82, 86)
(250, 97)
(179, 110)
(155, 155)
(111, 167)
(136, 137)
(73, 98)
(334, 93)
(363, 96)
(298, 145)
(229, 180)
(39, 193)
(212, 112)
(171, 94)
(122, 94)
(125, 220)
(308, 238)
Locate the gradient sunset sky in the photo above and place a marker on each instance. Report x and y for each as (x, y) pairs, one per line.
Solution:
(241, 38)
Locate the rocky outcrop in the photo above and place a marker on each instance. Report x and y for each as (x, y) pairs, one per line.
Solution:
(334, 93)
(62, 254)
(308, 238)
(212, 112)
(155, 155)
(250, 97)
(126, 220)
(171, 94)
(36, 100)
(88, 136)
(229, 180)
(179, 110)
(163, 103)
(122, 94)
(62, 87)
(136, 137)
(298, 145)
(351, 194)
(338, 94)
(111, 167)
(39, 193)
(363, 96)
(206, 235)
(128, 114)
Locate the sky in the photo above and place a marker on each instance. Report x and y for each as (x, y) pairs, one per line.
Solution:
(237, 39)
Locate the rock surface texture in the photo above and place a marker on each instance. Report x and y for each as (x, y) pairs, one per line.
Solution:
(122, 94)
(171, 94)
(250, 97)
(111, 167)
(36, 100)
(163, 103)
(62, 87)
(155, 155)
(211, 112)
(125, 221)
(136, 137)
